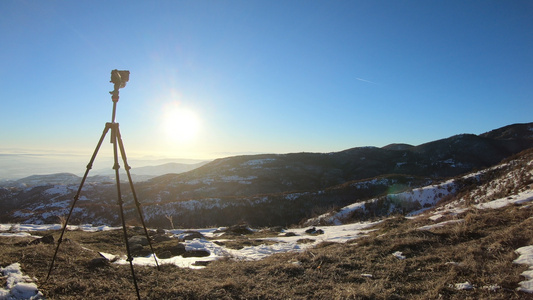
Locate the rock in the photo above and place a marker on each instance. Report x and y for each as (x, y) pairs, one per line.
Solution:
(314, 231)
(47, 239)
(169, 250)
(178, 249)
(98, 262)
(191, 235)
(239, 230)
(196, 253)
(161, 238)
(143, 253)
(290, 234)
(138, 239)
(134, 248)
(138, 229)
(201, 263)
(160, 231)
(139, 250)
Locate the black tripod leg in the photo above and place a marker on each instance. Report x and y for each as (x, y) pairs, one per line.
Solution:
(137, 204)
(120, 203)
(76, 197)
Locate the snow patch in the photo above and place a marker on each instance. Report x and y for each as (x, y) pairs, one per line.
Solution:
(398, 255)
(515, 199)
(18, 285)
(526, 258)
(258, 162)
(239, 179)
(464, 286)
(441, 224)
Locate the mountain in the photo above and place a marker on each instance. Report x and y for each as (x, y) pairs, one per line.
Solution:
(274, 189)
(56, 179)
(103, 176)
(148, 172)
(510, 132)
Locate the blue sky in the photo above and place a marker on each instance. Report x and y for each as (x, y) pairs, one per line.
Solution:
(260, 76)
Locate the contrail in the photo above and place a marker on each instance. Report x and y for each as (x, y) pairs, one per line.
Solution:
(364, 80)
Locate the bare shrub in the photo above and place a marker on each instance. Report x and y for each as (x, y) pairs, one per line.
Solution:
(169, 218)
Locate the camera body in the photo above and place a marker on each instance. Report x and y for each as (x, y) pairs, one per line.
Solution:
(119, 78)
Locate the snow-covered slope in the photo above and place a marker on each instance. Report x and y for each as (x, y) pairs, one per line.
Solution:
(508, 181)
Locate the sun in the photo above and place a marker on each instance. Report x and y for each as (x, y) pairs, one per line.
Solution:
(180, 124)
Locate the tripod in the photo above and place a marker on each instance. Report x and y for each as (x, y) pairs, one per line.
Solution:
(119, 78)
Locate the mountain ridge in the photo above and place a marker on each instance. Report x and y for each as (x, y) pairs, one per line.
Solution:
(441, 158)
(103, 175)
(274, 189)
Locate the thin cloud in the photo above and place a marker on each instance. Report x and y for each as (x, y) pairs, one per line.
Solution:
(364, 80)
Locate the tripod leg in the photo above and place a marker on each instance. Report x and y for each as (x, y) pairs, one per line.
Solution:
(120, 203)
(137, 204)
(76, 197)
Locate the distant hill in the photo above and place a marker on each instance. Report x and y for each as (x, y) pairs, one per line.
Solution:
(148, 172)
(103, 176)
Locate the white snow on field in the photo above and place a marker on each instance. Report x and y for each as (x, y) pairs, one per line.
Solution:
(282, 243)
(339, 234)
(426, 196)
(464, 286)
(22, 230)
(239, 179)
(441, 224)
(18, 285)
(522, 197)
(398, 255)
(59, 190)
(526, 258)
(429, 195)
(15, 234)
(257, 162)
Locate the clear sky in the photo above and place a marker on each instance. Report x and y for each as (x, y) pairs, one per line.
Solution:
(220, 78)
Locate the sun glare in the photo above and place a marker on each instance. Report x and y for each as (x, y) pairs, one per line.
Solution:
(181, 125)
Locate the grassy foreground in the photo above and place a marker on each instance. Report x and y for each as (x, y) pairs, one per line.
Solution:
(479, 250)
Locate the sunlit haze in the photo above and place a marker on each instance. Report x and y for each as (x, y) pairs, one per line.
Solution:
(212, 79)
(180, 125)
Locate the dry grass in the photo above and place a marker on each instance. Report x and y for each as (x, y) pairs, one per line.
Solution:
(480, 250)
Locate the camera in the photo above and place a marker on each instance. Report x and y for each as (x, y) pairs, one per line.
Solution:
(119, 78)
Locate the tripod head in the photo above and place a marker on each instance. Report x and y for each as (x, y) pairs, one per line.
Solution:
(119, 78)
